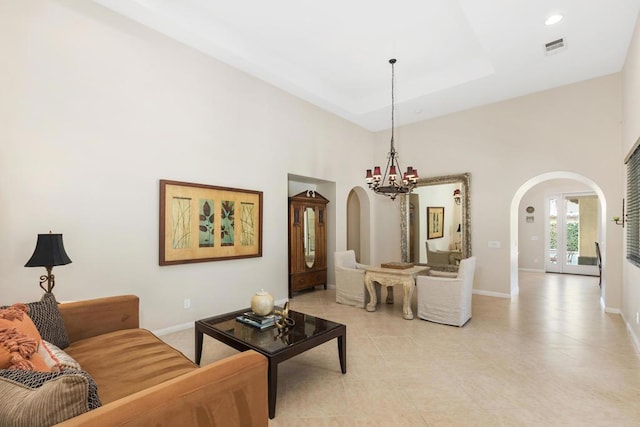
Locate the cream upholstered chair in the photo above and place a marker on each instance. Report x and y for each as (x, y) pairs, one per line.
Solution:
(435, 257)
(447, 299)
(350, 287)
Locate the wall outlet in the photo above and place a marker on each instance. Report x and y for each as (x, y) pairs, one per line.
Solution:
(187, 303)
(494, 244)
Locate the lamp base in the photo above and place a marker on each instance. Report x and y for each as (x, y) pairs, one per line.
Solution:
(50, 280)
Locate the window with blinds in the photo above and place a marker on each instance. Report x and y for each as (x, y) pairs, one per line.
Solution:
(633, 206)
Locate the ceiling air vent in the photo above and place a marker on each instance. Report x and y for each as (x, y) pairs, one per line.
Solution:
(555, 46)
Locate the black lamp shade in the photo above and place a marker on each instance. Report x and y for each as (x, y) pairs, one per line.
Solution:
(49, 252)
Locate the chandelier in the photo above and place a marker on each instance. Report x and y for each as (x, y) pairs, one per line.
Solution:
(390, 184)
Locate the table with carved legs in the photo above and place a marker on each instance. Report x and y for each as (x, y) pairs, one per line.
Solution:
(391, 277)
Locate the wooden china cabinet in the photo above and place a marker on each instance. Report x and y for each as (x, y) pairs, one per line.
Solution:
(307, 241)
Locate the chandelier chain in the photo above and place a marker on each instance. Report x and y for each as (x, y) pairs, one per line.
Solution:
(392, 181)
(393, 103)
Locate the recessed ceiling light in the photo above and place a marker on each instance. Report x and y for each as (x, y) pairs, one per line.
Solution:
(553, 19)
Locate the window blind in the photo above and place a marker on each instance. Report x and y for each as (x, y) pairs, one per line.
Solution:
(633, 207)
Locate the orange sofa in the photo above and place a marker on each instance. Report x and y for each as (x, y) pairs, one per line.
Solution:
(142, 381)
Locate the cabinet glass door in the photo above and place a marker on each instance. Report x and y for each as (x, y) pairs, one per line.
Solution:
(309, 236)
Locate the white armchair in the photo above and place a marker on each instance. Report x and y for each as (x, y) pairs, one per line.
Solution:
(350, 287)
(447, 299)
(436, 257)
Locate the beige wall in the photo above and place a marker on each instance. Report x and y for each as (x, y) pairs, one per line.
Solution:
(630, 134)
(95, 109)
(574, 129)
(588, 226)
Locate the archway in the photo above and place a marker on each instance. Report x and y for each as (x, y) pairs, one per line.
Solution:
(515, 203)
(359, 224)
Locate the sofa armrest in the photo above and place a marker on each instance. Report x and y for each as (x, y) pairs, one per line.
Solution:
(84, 319)
(230, 392)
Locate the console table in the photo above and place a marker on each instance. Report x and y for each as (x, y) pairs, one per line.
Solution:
(391, 277)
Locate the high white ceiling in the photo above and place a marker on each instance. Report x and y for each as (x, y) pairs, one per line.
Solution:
(452, 55)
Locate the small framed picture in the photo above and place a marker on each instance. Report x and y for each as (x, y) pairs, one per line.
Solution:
(435, 222)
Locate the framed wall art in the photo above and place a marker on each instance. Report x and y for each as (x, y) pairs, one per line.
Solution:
(200, 223)
(435, 222)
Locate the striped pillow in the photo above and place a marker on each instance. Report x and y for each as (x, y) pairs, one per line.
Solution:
(31, 398)
(57, 360)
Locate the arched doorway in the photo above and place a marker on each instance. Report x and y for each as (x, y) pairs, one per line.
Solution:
(359, 224)
(514, 218)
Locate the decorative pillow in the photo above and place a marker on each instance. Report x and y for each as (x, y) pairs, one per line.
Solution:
(18, 351)
(57, 360)
(17, 316)
(19, 340)
(5, 358)
(48, 320)
(44, 399)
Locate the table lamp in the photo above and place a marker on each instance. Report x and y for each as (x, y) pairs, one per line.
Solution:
(49, 252)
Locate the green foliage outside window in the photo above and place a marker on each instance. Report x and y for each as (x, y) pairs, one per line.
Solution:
(573, 239)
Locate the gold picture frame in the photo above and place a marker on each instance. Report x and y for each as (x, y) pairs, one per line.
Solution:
(201, 223)
(435, 222)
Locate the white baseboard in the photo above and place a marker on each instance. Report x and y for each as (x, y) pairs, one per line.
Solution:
(172, 329)
(634, 337)
(611, 310)
(188, 325)
(491, 294)
(533, 270)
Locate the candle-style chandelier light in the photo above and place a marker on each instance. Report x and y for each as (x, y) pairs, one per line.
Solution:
(390, 185)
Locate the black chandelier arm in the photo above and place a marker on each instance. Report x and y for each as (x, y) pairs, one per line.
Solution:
(386, 169)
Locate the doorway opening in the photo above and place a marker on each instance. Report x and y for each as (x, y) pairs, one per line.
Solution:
(519, 222)
(571, 231)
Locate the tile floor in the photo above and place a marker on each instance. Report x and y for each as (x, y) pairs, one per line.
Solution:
(549, 357)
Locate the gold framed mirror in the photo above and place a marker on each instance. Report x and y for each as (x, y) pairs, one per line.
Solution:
(414, 242)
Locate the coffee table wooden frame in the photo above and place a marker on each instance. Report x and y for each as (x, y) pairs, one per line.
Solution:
(205, 326)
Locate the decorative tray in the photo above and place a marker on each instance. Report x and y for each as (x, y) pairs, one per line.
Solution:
(397, 265)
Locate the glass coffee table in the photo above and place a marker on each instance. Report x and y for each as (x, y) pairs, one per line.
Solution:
(307, 333)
